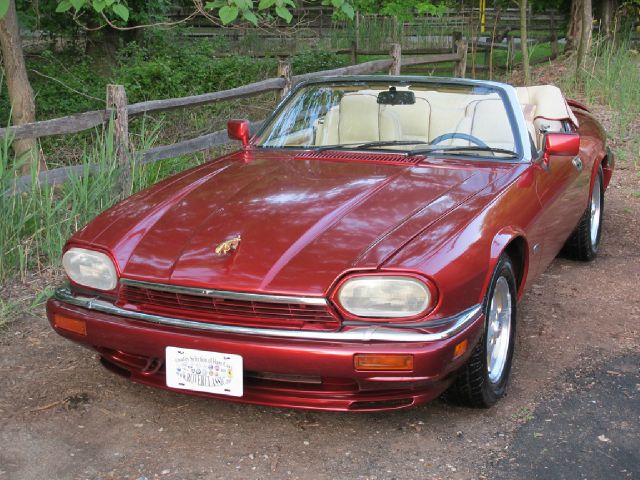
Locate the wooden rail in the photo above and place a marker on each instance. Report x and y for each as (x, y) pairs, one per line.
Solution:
(85, 121)
(120, 113)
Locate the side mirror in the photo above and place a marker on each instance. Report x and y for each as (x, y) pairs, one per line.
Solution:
(238, 130)
(561, 144)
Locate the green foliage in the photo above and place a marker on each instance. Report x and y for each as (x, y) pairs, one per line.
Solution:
(152, 72)
(228, 11)
(117, 8)
(67, 82)
(402, 9)
(314, 61)
(4, 7)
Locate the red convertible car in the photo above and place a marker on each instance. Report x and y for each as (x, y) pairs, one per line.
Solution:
(364, 250)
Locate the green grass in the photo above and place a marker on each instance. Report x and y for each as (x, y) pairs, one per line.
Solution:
(8, 309)
(36, 223)
(611, 77)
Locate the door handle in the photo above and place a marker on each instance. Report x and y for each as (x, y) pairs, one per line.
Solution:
(577, 163)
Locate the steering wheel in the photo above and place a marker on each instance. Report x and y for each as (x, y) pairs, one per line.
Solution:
(460, 135)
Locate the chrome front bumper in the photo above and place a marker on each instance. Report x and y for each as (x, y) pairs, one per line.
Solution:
(456, 324)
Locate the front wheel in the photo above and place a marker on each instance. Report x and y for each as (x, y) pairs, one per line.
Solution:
(483, 380)
(585, 239)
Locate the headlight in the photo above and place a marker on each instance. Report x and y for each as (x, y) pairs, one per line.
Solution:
(384, 296)
(90, 268)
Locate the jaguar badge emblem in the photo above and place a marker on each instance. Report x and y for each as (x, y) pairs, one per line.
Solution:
(228, 245)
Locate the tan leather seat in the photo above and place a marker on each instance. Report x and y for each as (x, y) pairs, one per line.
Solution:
(413, 119)
(362, 120)
(327, 128)
(529, 112)
(357, 119)
(489, 122)
(447, 111)
(551, 109)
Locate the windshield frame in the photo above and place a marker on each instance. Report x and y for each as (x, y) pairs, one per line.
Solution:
(506, 93)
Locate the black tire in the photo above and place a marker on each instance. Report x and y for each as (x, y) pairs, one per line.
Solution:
(581, 245)
(472, 386)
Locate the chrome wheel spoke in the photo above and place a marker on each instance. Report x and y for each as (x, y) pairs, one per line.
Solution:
(498, 330)
(596, 212)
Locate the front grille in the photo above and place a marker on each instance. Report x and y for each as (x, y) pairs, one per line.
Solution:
(345, 156)
(228, 311)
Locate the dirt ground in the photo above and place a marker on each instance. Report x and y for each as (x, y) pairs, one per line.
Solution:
(571, 411)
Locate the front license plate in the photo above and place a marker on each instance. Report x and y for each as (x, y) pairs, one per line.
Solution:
(203, 371)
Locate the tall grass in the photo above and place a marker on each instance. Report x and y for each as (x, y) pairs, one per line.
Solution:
(36, 223)
(611, 76)
(376, 32)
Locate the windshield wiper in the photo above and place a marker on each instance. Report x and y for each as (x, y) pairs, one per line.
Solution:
(359, 146)
(462, 149)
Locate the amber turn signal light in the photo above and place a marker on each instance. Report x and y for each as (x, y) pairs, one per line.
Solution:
(392, 361)
(70, 324)
(460, 348)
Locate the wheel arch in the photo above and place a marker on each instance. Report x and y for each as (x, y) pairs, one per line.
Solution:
(513, 242)
(608, 164)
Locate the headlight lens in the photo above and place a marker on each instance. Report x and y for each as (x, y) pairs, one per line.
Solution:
(384, 296)
(90, 268)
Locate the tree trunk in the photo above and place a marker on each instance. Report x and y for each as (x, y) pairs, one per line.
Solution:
(606, 17)
(574, 28)
(23, 109)
(585, 35)
(524, 42)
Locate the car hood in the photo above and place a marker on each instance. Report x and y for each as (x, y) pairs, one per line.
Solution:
(301, 222)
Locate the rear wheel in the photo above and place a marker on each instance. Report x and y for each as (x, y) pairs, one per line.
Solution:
(483, 380)
(585, 240)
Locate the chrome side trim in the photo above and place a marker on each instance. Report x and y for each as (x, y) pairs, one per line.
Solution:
(205, 292)
(365, 334)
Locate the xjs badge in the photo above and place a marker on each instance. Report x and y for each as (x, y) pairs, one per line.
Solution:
(228, 245)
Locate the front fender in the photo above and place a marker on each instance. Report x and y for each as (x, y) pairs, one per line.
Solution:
(461, 250)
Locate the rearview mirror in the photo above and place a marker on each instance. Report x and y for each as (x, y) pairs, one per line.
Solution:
(238, 130)
(396, 97)
(562, 144)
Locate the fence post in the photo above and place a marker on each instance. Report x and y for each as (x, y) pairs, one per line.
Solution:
(396, 57)
(397, 33)
(487, 56)
(554, 37)
(356, 47)
(460, 67)
(284, 71)
(455, 38)
(117, 100)
(354, 52)
(511, 52)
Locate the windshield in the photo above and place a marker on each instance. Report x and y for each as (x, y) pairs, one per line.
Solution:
(382, 116)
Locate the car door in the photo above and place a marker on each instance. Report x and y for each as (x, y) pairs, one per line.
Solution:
(562, 184)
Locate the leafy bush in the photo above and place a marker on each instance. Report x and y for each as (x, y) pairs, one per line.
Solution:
(314, 61)
(166, 66)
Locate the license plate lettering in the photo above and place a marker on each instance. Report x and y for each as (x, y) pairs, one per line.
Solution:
(204, 371)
